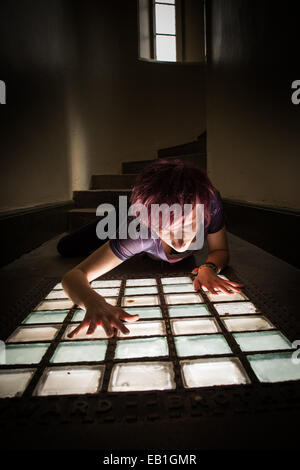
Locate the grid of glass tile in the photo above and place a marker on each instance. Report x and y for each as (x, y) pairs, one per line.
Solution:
(214, 339)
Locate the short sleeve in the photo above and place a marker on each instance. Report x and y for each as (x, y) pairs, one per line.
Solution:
(217, 214)
(125, 248)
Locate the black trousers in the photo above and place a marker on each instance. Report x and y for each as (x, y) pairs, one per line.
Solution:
(80, 242)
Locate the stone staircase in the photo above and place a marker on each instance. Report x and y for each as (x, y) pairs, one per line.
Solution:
(108, 188)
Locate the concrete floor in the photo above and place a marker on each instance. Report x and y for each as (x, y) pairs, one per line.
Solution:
(276, 278)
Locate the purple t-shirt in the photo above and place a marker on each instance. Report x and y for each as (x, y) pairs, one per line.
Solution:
(126, 248)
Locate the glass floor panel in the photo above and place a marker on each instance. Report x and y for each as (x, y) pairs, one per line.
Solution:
(144, 328)
(222, 297)
(141, 376)
(236, 308)
(142, 347)
(262, 341)
(278, 367)
(71, 380)
(145, 312)
(106, 283)
(189, 298)
(140, 300)
(58, 286)
(178, 288)
(82, 351)
(140, 290)
(46, 316)
(191, 310)
(13, 382)
(187, 326)
(109, 291)
(55, 304)
(247, 323)
(99, 333)
(25, 353)
(176, 280)
(209, 372)
(78, 315)
(201, 345)
(33, 333)
(140, 282)
(57, 294)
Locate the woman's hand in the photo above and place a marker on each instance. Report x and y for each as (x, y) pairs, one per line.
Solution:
(100, 312)
(207, 278)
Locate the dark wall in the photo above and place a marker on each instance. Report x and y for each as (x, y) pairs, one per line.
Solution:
(253, 127)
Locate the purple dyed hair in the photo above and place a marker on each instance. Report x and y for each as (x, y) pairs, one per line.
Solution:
(173, 181)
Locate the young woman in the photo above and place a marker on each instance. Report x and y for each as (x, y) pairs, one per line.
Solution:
(167, 182)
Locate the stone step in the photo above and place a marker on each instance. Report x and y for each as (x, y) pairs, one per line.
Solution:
(135, 166)
(197, 146)
(79, 217)
(93, 197)
(125, 180)
(198, 159)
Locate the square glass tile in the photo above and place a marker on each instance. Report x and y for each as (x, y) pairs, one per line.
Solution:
(140, 300)
(236, 308)
(109, 291)
(201, 345)
(58, 286)
(33, 333)
(78, 315)
(176, 280)
(248, 323)
(262, 341)
(106, 283)
(277, 367)
(186, 326)
(139, 376)
(191, 298)
(209, 372)
(25, 353)
(99, 333)
(191, 310)
(179, 288)
(70, 380)
(145, 312)
(140, 282)
(144, 328)
(14, 382)
(82, 351)
(140, 290)
(55, 304)
(222, 297)
(46, 316)
(142, 347)
(56, 294)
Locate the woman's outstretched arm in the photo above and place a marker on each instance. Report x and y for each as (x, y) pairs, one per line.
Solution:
(98, 311)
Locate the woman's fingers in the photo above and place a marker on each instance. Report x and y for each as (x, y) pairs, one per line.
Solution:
(120, 325)
(107, 326)
(80, 327)
(197, 284)
(91, 328)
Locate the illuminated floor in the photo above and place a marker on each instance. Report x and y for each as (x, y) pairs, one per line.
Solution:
(253, 411)
(211, 340)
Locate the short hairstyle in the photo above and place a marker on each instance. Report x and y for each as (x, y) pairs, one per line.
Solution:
(173, 181)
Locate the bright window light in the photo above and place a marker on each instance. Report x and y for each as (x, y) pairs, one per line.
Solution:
(165, 31)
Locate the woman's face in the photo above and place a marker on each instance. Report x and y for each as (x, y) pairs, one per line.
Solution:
(182, 232)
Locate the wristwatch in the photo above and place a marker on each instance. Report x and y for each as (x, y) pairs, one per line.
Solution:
(212, 266)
